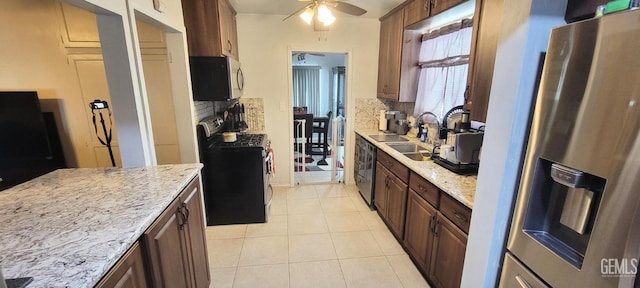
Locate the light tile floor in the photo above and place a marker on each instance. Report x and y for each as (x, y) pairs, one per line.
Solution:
(317, 236)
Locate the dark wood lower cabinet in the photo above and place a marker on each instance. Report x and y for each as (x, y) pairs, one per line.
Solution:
(176, 245)
(166, 251)
(128, 272)
(380, 193)
(396, 205)
(447, 255)
(391, 199)
(421, 217)
(196, 237)
(171, 253)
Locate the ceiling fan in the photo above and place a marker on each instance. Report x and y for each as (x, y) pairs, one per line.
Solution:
(302, 55)
(322, 10)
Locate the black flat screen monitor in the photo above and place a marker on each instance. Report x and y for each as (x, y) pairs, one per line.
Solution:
(23, 135)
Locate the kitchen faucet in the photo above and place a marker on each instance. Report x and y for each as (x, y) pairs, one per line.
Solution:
(420, 122)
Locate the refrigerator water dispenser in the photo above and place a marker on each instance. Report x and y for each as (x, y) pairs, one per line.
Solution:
(562, 209)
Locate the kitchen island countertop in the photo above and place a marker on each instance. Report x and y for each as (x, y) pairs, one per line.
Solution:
(461, 188)
(69, 227)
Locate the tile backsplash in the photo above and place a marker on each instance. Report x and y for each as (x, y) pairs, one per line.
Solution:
(368, 109)
(254, 114)
(203, 109)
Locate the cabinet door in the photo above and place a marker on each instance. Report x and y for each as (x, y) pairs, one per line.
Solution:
(128, 272)
(438, 6)
(397, 204)
(395, 54)
(416, 11)
(486, 30)
(391, 31)
(203, 28)
(447, 256)
(194, 232)
(228, 34)
(166, 250)
(421, 217)
(383, 58)
(381, 189)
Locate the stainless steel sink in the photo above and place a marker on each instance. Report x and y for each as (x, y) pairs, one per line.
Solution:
(417, 156)
(412, 151)
(388, 138)
(406, 147)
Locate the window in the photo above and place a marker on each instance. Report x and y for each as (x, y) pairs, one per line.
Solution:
(306, 88)
(444, 58)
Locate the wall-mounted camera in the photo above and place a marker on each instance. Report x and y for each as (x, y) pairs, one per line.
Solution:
(98, 104)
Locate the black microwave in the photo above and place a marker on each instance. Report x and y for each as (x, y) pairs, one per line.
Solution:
(215, 78)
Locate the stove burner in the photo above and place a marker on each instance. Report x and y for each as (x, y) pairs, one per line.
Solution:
(244, 140)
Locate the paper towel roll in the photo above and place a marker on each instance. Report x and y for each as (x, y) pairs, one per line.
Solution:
(382, 121)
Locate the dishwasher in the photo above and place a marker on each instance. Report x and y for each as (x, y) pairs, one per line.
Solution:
(365, 169)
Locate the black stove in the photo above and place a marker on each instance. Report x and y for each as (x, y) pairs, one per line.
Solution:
(235, 175)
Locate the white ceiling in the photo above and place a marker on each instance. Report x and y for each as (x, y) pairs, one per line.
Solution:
(375, 8)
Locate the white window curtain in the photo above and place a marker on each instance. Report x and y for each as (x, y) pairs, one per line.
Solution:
(306, 88)
(444, 58)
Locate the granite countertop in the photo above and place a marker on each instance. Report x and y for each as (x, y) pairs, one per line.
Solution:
(461, 188)
(69, 227)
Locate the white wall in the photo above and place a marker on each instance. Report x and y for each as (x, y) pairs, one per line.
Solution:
(123, 65)
(265, 46)
(525, 34)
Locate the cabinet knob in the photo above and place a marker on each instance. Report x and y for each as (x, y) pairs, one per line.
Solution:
(426, 5)
(229, 45)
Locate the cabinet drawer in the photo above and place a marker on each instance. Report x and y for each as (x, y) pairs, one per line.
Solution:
(394, 166)
(425, 189)
(456, 212)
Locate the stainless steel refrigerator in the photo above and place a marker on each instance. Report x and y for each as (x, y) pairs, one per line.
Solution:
(576, 222)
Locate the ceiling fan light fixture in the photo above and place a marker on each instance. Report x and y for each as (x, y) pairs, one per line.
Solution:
(324, 15)
(329, 20)
(307, 15)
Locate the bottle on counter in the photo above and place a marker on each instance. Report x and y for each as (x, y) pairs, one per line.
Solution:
(423, 135)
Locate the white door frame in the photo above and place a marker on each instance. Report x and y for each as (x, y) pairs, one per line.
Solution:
(349, 111)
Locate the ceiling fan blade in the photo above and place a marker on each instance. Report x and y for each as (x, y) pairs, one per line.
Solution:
(348, 8)
(298, 12)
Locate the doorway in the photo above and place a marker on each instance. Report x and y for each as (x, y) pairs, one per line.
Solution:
(319, 112)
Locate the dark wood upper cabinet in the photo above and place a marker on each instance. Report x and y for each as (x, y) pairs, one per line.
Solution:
(416, 11)
(391, 35)
(211, 28)
(438, 6)
(484, 43)
(582, 9)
